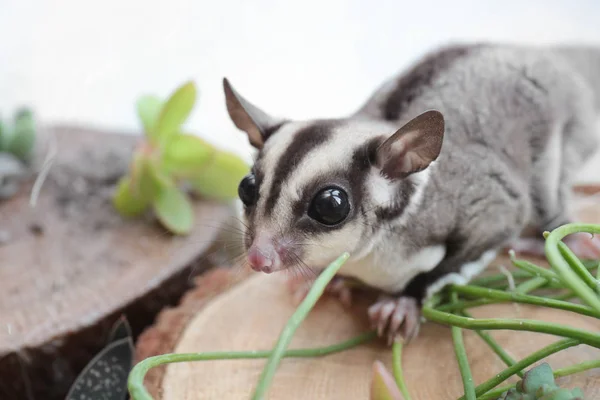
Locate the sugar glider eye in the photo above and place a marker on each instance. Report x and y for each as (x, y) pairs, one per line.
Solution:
(248, 191)
(330, 206)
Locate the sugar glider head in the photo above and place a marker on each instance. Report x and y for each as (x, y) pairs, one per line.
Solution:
(319, 188)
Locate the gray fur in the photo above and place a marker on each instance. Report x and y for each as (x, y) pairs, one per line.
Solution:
(519, 122)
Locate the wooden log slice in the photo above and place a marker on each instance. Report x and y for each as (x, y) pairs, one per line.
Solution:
(71, 265)
(227, 311)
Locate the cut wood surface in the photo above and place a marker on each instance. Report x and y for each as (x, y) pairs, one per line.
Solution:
(71, 265)
(234, 310)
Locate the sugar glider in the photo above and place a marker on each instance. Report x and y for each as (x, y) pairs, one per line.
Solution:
(445, 165)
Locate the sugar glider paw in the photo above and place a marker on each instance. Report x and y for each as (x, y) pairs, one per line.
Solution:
(338, 287)
(393, 316)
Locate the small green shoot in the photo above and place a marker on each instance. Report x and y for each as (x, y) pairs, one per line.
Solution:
(169, 159)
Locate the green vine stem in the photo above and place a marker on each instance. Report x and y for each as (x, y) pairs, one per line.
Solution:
(564, 268)
(397, 368)
(578, 267)
(524, 363)
(531, 285)
(573, 369)
(444, 318)
(299, 315)
(533, 269)
(461, 358)
(498, 281)
(500, 296)
(495, 346)
(136, 377)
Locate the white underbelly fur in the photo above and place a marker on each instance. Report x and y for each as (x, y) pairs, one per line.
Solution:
(392, 275)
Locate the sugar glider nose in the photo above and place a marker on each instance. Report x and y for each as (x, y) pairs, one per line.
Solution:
(263, 256)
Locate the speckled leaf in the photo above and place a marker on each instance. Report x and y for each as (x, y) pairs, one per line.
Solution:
(186, 155)
(174, 210)
(105, 377)
(221, 178)
(148, 109)
(120, 330)
(383, 386)
(126, 202)
(174, 113)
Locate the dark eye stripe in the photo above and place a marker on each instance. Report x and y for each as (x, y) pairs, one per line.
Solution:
(305, 141)
(352, 179)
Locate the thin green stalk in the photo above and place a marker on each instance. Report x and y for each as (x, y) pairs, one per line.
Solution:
(495, 346)
(519, 274)
(397, 368)
(499, 279)
(573, 369)
(584, 366)
(464, 304)
(496, 393)
(136, 377)
(531, 284)
(533, 269)
(498, 295)
(578, 267)
(563, 268)
(564, 296)
(296, 319)
(522, 364)
(461, 358)
(444, 318)
(463, 364)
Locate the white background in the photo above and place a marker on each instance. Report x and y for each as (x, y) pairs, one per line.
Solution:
(86, 62)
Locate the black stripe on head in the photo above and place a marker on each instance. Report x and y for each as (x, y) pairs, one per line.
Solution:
(304, 141)
(352, 179)
(406, 189)
(419, 77)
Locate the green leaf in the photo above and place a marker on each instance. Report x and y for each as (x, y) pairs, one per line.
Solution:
(383, 386)
(148, 109)
(125, 201)
(174, 210)
(22, 141)
(221, 178)
(174, 113)
(187, 155)
(147, 178)
(562, 394)
(535, 378)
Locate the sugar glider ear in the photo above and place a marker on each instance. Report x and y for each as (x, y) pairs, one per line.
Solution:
(413, 147)
(249, 118)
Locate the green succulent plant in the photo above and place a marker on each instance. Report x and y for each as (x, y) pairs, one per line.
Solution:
(168, 159)
(538, 384)
(17, 141)
(18, 138)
